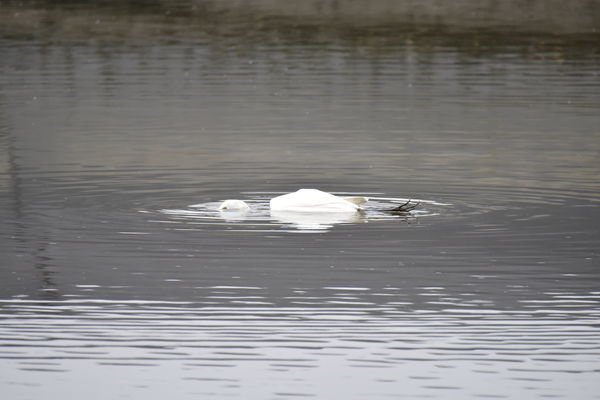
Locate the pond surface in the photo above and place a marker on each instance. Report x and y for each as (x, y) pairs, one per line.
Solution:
(119, 279)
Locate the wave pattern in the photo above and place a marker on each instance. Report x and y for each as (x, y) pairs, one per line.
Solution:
(113, 287)
(261, 218)
(305, 351)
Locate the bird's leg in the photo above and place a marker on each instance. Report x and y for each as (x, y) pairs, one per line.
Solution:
(406, 207)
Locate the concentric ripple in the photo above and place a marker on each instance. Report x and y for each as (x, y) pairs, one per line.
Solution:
(261, 217)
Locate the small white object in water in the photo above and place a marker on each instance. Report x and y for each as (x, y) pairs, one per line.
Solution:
(234, 205)
(313, 200)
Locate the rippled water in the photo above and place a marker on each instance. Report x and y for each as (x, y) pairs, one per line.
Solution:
(117, 267)
(342, 342)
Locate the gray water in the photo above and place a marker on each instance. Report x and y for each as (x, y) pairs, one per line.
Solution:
(120, 279)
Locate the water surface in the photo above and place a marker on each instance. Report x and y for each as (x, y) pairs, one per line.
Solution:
(116, 265)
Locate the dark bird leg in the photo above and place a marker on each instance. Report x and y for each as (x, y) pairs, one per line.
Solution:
(404, 208)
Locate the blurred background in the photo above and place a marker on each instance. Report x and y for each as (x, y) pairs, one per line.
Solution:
(303, 21)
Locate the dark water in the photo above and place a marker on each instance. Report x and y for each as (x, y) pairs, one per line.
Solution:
(119, 279)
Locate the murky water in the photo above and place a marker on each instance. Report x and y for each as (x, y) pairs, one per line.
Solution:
(121, 279)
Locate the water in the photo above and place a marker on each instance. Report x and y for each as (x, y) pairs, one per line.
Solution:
(117, 267)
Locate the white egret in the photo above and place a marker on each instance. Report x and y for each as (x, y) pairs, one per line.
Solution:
(313, 201)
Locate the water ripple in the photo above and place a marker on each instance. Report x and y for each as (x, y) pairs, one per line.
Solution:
(261, 218)
(39, 337)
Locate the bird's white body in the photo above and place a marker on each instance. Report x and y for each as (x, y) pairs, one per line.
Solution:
(313, 200)
(304, 201)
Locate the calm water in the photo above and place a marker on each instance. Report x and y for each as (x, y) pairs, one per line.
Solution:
(119, 279)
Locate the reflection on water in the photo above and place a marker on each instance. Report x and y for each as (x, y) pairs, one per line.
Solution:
(359, 21)
(117, 263)
(315, 221)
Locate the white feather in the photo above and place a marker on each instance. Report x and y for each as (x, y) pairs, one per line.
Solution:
(313, 200)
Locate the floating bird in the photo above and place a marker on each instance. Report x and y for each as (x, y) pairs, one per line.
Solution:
(312, 201)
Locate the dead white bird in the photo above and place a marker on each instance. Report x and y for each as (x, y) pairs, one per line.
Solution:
(312, 201)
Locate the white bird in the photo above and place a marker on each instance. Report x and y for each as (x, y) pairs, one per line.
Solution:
(313, 200)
